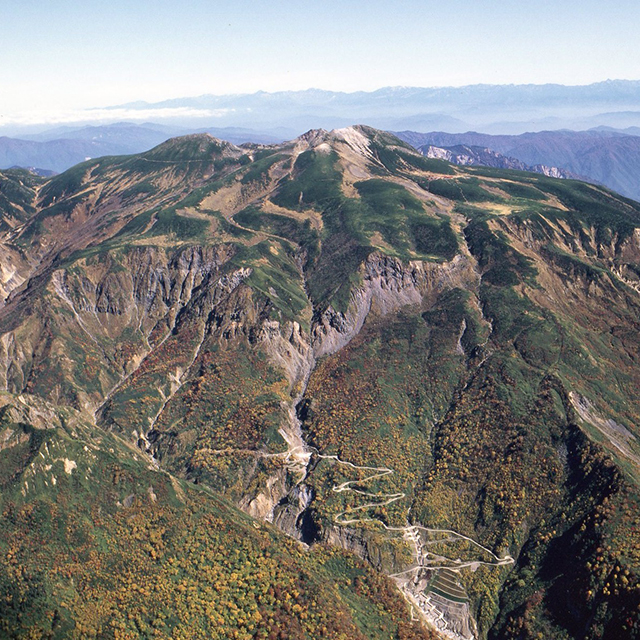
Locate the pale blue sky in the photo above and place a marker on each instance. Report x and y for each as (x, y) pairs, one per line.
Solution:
(67, 54)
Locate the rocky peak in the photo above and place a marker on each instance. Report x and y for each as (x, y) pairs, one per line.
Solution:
(314, 136)
(355, 138)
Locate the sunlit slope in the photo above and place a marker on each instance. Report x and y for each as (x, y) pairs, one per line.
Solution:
(97, 542)
(245, 313)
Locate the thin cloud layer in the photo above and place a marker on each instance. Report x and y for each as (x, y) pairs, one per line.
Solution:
(109, 115)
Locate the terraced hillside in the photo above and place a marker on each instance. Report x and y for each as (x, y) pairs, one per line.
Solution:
(428, 367)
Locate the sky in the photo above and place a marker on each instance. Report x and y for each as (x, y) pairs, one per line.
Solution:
(59, 56)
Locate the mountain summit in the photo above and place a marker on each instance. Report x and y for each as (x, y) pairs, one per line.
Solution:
(324, 388)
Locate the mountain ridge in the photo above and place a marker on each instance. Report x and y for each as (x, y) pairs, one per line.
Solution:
(59, 151)
(482, 156)
(607, 157)
(598, 87)
(501, 109)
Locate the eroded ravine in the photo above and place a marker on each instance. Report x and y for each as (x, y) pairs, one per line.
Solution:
(388, 286)
(414, 582)
(301, 459)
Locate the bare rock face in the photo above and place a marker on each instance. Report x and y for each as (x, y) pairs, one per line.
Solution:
(262, 504)
(30, 410)
(14, 270)
(465, 155)
(387, 285)
(289, 514)
(289, 348)
(373, 549)
(142, 294)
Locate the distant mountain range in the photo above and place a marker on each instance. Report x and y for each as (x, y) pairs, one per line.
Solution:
(496, 109)
(608, 157)
(509, 109)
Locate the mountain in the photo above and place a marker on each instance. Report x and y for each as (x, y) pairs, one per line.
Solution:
(129, 136)
(134, 138)
(61, 148)
(55, 155)
(424, 374)
(486, 102)
(483, 157)
(604, 156)
(497, 109)
(490, 108)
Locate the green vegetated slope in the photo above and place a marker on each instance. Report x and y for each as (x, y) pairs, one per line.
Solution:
(17, 195)
(97, 543)
(244, 314)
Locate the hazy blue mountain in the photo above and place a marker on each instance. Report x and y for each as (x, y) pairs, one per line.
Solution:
(134, 136)
(630, 131)
(621, 94)
(127, 134)
(55, 155)
(495, 109)
(505, 108)
(605, 156)
(240, 135)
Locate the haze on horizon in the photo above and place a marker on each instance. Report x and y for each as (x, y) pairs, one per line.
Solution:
(62, 57)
